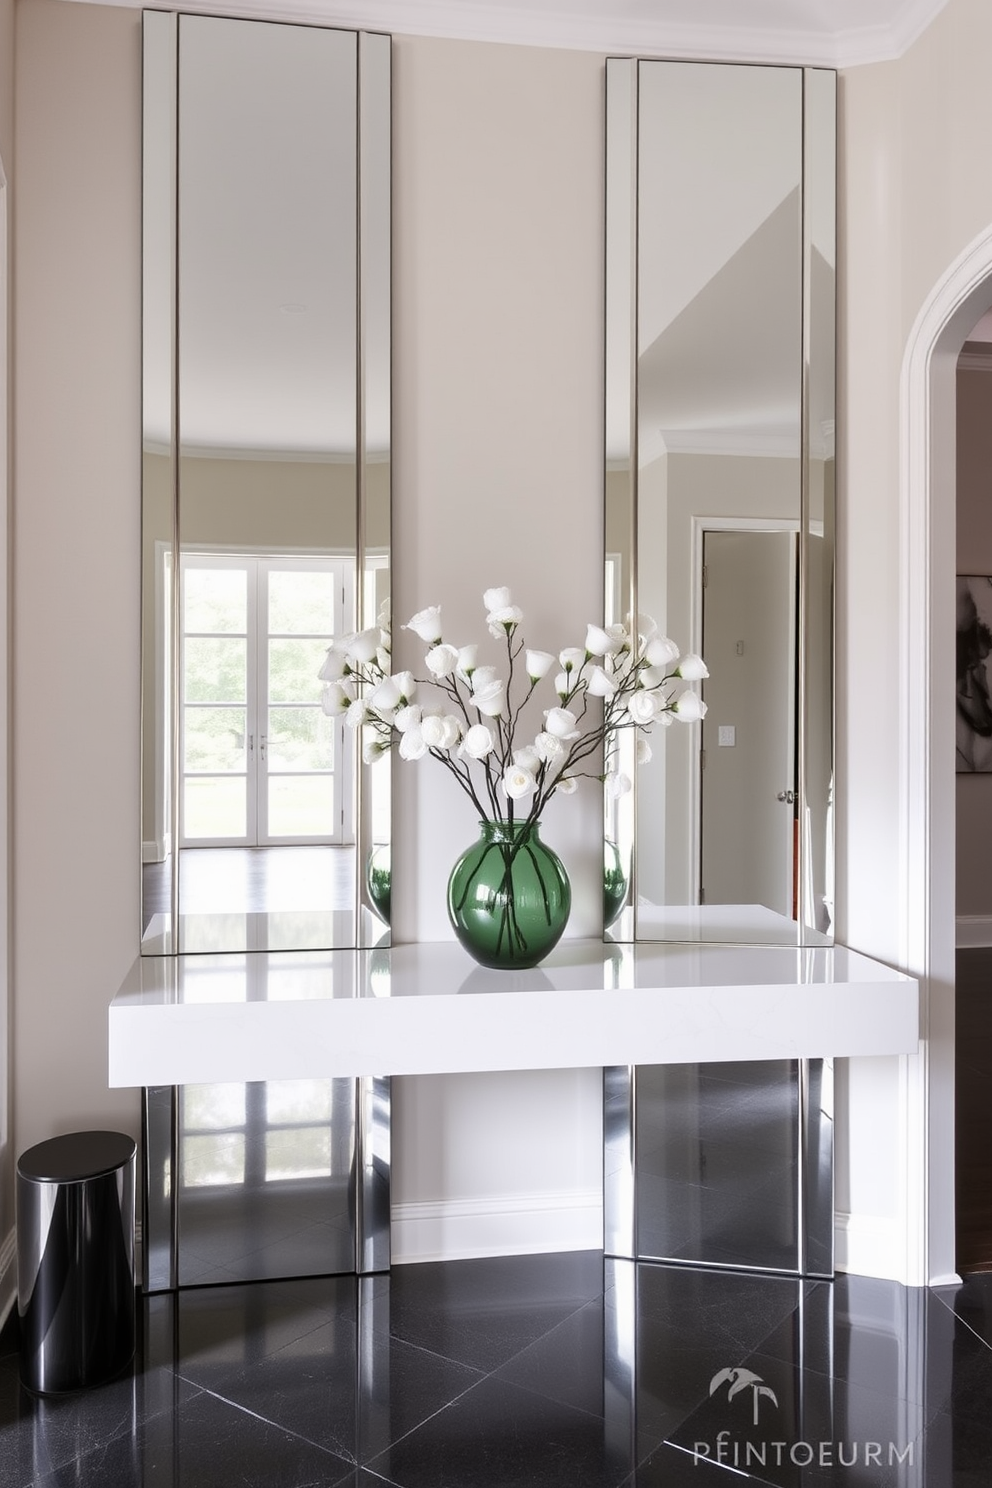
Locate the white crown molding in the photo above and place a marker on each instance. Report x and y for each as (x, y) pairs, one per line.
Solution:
(642, 35)
(976, 358)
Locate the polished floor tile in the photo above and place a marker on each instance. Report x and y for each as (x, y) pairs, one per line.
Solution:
(529, 1372)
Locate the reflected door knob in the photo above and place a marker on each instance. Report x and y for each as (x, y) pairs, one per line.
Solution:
(787, 795)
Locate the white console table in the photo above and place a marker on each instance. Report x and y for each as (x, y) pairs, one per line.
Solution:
(429, 1009)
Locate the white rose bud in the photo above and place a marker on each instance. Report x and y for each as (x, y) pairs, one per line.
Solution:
(496, 599)
(561, 723)
(518, 782)
(692, 668)
(365, 645)
(386, 696)
(617, 785)
(412, 746)
(441, 661)
(466, 659)
(651, 676)
(570, 658)
(334, 666)
(619, 637)
(503, 621)
(372, 750)
(598, 642)
(527, 758)
(406, 684)
(660, 651)
(479, 741)
(598, 684)
(642, 707)
(538, 664)
(426, 624)
(562, 685)
(408, 717)
(644, 751)
(490, 699)
(549, 748)
(568, 785)
(337, 698)
(482, 676)
(689, 708)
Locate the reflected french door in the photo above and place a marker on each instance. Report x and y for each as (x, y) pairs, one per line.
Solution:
(260, 762)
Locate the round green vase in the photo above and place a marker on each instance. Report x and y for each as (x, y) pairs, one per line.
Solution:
(614, 883)
(509, 896)
(378, 880)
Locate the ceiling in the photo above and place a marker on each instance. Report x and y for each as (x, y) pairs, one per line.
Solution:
(831, 33)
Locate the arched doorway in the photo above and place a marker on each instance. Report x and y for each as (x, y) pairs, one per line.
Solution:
(927, 778)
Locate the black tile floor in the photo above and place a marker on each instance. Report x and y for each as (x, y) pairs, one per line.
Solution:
(555, 1371)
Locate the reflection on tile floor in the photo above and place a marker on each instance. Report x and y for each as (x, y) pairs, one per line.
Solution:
(539, 1371)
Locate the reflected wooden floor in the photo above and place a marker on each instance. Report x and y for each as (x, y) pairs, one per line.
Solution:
(973, 1109)
(252, 880)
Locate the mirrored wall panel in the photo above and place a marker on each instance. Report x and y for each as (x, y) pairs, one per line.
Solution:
(719, 487)
(266, 478)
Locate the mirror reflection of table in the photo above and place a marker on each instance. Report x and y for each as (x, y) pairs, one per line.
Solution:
(362, 1016)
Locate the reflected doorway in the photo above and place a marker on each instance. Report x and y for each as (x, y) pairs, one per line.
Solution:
(748, 830)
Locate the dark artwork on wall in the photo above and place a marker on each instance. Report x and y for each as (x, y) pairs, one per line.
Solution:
(974, 682)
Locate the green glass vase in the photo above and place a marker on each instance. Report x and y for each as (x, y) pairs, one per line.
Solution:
(509, 896)
(378, 880)
(614, 883)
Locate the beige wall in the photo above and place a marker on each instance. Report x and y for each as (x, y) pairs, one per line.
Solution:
(6, 405)
(973, 856)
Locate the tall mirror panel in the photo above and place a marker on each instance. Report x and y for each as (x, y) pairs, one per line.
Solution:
(723, 267)
(266, 519)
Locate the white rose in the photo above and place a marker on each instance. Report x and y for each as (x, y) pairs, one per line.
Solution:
(408, 717)
(598, 684)
(644, 751)
(452, 731)
(689, 708)
(598, 642)
(642, 706)
(426, 624)
(357, 713)
(406, 684)
(364, 646)
(571, 657)
(692, 668)
(561, 723)
(337, 698)
(372, 750)
(562, 685)
(479, 741)
(466, 659)
(549, 748)
(496, 599)
(441, 661)
(538, 664)
(503, 621)
(619, 637)
(527, 758)
(617, 785)
(518, 782)
(386, 696)
(439, 732)
(660, 651)
(651, 676)
(568, 785)
(412, 746)
(490, 699)
(483, 676)
(334, 666)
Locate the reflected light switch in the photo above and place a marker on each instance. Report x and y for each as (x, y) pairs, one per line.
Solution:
(726, 735)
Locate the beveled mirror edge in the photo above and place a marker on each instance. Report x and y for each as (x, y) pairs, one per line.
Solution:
(374, 405)
(620, 307)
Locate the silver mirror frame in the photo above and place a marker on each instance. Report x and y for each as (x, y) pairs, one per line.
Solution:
(815, 671)
(160, 197)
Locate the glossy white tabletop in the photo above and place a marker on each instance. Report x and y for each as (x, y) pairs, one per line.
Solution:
(429, 1009)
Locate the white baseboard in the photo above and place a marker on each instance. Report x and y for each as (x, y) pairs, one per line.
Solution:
(506, 1224)
(8, 1275)
(974, 931)
(157, 851)
(872, 1245)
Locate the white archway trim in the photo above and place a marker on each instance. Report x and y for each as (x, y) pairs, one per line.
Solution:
(927, 787)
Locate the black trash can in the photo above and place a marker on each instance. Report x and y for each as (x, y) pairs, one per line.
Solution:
(75, 1260)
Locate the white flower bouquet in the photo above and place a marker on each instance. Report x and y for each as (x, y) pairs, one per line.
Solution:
(469, 716)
